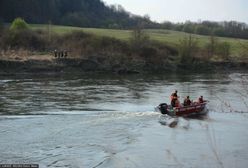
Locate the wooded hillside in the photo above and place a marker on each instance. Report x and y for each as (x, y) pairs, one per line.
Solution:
(82, 13)
(96, 14)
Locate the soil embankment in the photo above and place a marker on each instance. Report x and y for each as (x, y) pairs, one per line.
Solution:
(45, 64)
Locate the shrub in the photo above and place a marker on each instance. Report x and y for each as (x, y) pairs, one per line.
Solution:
(203, 30)
(76, 42)
(18, 25)
(113, 44)
(26, 39)
(211, 47)
(223, 50)
(148, 52)
(84, 44)
(139, 39)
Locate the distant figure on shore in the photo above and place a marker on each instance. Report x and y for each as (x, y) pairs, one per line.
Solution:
(65, 53)
(55, 53)
(187, 101)
(60, 54)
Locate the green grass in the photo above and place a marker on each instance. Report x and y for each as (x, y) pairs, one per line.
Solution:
(169, 37)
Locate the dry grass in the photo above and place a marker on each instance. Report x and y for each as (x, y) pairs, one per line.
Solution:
(24, 55)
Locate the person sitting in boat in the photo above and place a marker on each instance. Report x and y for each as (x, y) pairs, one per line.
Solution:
(187, 101)
(174, 99)
(200, 99)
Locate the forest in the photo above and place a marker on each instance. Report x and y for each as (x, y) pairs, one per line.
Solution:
(81, 13)
(222, 29)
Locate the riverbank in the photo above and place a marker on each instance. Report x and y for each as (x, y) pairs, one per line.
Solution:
(27, 50)
(48, 64)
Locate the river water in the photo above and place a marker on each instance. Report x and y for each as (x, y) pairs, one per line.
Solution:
(73, 120)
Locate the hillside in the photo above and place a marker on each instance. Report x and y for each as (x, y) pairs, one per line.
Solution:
(82, 13)
(169, 37)
(97, 14)
(46, 48)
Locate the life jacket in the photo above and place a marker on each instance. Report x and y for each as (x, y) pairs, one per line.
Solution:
(177, 103)
(173, 96)
(188, 102)
(185, 102)
(173, 102)
(200, 100)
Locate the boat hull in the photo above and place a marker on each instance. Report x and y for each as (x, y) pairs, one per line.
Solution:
(194, 109)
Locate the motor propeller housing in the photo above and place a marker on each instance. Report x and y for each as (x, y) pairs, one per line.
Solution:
(163, 107)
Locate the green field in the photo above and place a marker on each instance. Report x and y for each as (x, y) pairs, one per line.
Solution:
(165, 36)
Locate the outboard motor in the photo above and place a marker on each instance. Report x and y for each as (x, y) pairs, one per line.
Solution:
(163, 108)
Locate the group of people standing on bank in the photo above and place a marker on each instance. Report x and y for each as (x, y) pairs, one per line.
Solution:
(187, 102)
(60, 54)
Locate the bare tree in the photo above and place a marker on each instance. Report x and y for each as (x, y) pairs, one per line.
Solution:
(139, 38)
(211, 46)
(188, 47)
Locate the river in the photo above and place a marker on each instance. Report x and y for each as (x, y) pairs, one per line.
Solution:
(108, 121)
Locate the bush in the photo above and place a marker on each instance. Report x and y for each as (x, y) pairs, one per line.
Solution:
(219, 32)
(148, 52)
(19, 25)
(81, 44)
(139, 39)
(211, 47)
(223, 50)
(109, 43)
(26, 39)
(188, 28)
(203, 30)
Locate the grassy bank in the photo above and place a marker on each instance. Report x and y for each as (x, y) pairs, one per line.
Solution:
(171, 38)
(37, 47)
